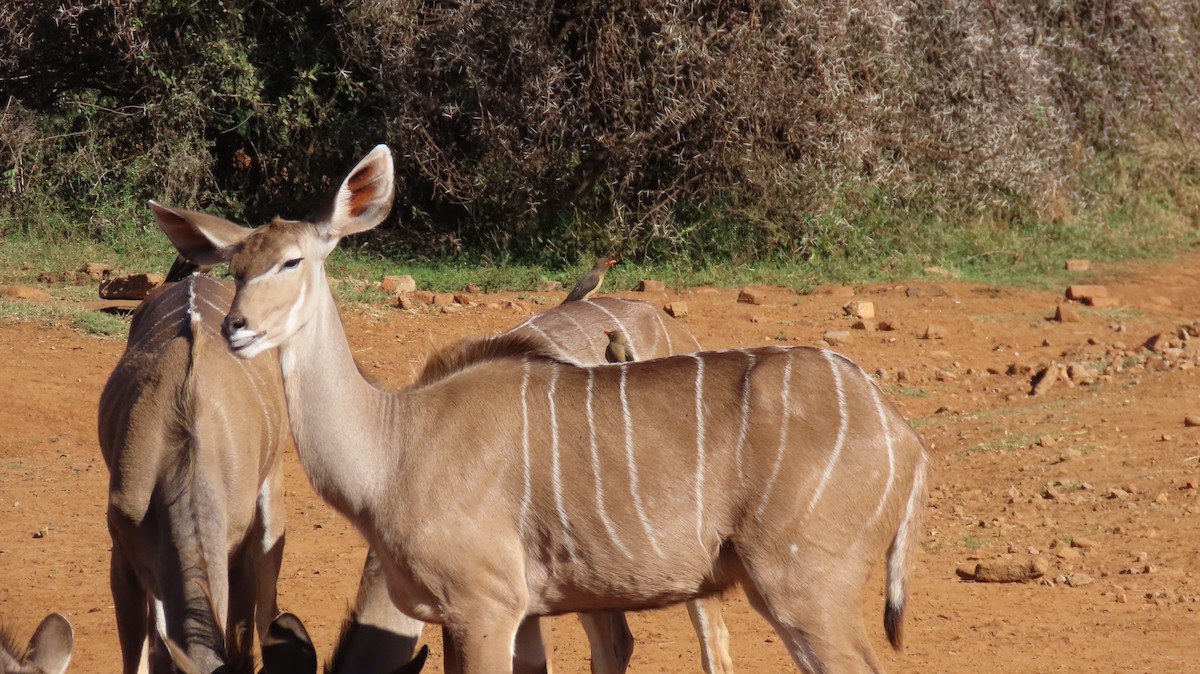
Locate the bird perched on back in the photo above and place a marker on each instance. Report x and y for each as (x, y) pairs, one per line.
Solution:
(591, 281)
(618, 349)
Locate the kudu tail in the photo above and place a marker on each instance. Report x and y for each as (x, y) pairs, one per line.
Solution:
(900, 554)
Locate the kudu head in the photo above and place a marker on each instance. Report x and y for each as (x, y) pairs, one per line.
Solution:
(48, 652)
(278, 266)
(287, 649)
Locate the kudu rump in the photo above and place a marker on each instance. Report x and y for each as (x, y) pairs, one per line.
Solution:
(193, 439)
(507, 483)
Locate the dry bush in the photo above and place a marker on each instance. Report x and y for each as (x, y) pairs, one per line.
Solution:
(543, 128)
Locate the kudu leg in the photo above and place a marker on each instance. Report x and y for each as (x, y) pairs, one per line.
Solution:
(818, 624)
(239, 620)
(269, 555)
(529, 650)
(133, 613)
(610, 640)
(709, 624)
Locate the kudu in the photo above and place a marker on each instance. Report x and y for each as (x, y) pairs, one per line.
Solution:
(506, 483)
(193, 438)
(377, 638)
(48, 651)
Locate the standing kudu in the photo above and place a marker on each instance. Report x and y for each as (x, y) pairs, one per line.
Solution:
(378, 638)
(48, 651)
(506, 483)
(193, 439)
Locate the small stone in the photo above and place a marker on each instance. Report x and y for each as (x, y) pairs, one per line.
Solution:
(751, 296)
(405, 301)
(677, 309)
(462, 298)
(902, 375)
(944, 375)
(1191, 420)
(1082, 293)
(130, 286)
(1047, 441)
(423, 296)
(1116, 493)
(1161, 499)
(860, 309)
(934, 331)
(1079, 580)
(888, 326)
(1067, 554)
(451, 308)
(1102, 302)
(402, 283)
(1043, 380)
(1066, 313)
(1083, 543)
(1078, 265)
(840, 291)
(867, 326)
(1157, 342)
(912, 291)
(836, 337)
(651, 286)
(1004, 571)
(25, 293)
(96, 271)
(442, 299)
(1069, 455)
(473, 288)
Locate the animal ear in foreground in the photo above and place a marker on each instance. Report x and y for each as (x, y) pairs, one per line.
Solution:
(48, 651)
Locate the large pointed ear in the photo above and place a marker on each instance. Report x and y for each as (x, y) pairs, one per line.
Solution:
(365, 197)
(287, 649)
(199, 237)
(50, 648)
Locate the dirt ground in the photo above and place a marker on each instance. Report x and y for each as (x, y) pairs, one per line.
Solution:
(1098, 480)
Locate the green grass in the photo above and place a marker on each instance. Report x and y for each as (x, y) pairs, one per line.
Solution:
(54, 314)
(971, 542)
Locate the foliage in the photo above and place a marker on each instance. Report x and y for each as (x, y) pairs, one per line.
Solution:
(545, 131)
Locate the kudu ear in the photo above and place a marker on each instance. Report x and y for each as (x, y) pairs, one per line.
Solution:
(416, 664)
(50, 648)
(287, 649)
(199, 237)
(364, 198)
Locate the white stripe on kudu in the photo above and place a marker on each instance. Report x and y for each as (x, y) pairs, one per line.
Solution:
(667, 333)
(700, 458)
(785, 392)
(556, 468)
(542, 334)
(527, 496)
(595, 456)
(891, 450)
(744, 430)
(632, 464)
(843, 426)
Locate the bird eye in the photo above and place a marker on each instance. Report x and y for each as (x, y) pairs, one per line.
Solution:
(292, 264)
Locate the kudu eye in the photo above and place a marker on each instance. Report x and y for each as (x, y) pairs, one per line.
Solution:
(292, 263)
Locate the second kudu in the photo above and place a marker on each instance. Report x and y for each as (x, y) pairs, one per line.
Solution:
(193, 438)
(507, 483)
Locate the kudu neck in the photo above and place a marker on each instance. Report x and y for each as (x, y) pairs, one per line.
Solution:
(343, 425)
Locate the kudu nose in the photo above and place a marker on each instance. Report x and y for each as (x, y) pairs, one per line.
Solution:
(231, 324)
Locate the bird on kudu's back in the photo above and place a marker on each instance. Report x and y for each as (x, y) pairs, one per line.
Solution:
(591, 281)
(617, 350)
